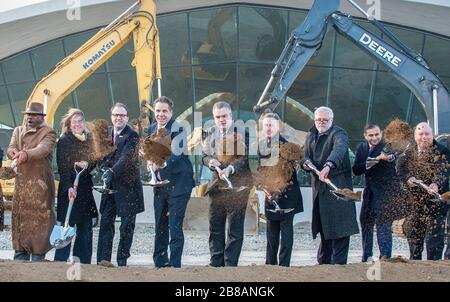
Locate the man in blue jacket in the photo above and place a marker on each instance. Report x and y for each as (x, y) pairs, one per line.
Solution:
(381, 185)
(171, 200)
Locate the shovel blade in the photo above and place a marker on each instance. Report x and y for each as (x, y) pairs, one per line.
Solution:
(104, 191)
(61, 236)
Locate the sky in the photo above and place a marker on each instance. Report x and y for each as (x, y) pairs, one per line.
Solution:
(6, 5)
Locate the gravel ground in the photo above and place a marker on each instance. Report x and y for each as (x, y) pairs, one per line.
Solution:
(196, 250)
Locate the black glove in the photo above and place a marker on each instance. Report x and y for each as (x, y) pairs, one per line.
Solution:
(108, 177)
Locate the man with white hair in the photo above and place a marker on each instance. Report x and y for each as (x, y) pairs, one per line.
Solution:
(326, 147)
(426, 161)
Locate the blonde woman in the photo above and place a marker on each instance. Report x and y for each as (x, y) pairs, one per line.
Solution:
(73, 149)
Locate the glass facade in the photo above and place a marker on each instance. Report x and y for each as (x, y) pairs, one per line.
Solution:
(232, 49)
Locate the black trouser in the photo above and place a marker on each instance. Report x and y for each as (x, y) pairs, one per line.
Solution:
(333, 251)
(225, 205)
(169, 216)
(431, 230)
(82, 247)
(276, 229)
(106, 234)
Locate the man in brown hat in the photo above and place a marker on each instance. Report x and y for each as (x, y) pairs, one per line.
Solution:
(34, 192)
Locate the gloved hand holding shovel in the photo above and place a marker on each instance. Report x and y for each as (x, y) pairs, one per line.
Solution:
(61, 236)
(107, 178)
(344, 194)
(224, 177)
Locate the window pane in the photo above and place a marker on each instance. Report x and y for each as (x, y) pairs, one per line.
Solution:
(2, 80)
(262, 33)
(46, 57)
(6, 117)
(323, 56)
(125, 91)
(121, 60)
(418, 113)
(207, 92)
(390, 101)
(410, 38)
(20, 94)
(350, 55)
(93, 97)
(73, 42)
(214, 35)
(173, 37)
(5, 138)
(178, 86)
(349, 100)
(18, 69)
(252, 80)
(437, 54)
(308, 92)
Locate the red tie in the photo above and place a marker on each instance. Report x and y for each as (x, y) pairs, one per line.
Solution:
(158, 175)
(116, 138)
(371, 149)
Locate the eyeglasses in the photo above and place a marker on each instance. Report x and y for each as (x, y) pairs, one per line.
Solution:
(322, 120)
(119, 115)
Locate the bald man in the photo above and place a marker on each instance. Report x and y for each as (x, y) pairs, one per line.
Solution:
(426, 161)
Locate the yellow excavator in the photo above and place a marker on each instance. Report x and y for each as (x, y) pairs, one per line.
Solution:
(139, 22)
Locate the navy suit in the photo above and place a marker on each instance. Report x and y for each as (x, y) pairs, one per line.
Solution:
(280, 228)
(126, 203)
(172, 199)
(381, 186)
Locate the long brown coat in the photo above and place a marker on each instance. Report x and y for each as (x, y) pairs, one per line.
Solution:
(33, 214)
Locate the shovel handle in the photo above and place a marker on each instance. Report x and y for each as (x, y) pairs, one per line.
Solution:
(315, 170)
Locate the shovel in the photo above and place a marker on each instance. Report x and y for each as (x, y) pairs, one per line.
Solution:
(273, 200)
(62, 235)
(230, 185)
(437, 197)
(154, 182)
(334, 189)
(104, 189)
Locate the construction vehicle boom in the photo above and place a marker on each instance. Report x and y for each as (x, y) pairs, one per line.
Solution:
(78, 66)
(406, 65)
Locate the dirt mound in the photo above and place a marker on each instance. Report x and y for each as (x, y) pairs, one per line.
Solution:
(274, 178)
(157, 147)
(412, 271)
(101, 143)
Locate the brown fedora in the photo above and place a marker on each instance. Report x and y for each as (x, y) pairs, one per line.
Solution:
(35, 108)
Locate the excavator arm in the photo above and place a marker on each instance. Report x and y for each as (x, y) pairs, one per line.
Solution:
(78, 66)
(405, 64)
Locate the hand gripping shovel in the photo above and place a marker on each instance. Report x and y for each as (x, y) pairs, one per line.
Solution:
(154, 182)
(104, 189)
(437, 197)
(339, 193)
(273, 200)
(230, 185)
(62, 235)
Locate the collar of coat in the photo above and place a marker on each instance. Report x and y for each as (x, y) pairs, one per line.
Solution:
(314, 130)
(31, 130)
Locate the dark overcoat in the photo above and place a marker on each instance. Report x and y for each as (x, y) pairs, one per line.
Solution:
(69, 150)
(124, 161)
(336, 218)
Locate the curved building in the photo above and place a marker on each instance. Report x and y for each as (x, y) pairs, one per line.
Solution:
(215, 46)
